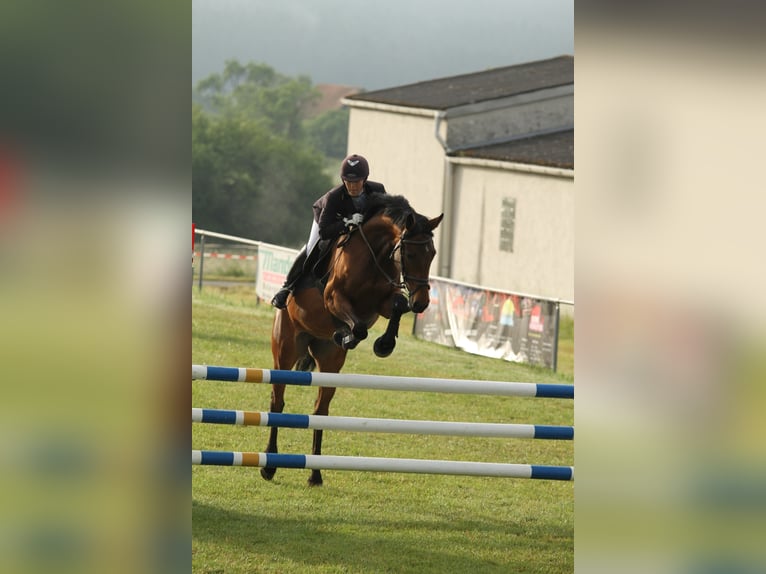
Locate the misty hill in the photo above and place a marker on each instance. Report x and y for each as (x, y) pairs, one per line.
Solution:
(375, 45)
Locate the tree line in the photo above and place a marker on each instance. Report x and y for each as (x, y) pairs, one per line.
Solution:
(259, 158)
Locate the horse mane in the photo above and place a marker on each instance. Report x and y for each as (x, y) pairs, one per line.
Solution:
(398, 209)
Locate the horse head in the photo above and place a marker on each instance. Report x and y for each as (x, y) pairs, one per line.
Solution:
(416, 252)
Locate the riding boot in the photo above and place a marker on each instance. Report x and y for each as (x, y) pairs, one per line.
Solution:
(280, 299)
(315, 264)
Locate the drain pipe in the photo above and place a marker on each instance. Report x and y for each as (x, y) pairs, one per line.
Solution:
(447, 231)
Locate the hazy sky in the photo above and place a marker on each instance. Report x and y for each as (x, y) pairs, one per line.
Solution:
(376, 44)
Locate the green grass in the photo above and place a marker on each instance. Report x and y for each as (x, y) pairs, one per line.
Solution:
(375, 522)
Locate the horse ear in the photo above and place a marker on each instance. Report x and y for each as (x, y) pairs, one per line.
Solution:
(409, 223)
(433, 223)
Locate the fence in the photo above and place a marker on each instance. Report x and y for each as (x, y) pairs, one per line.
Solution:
(464, 386)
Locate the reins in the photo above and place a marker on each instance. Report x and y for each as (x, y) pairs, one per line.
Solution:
(400, 284)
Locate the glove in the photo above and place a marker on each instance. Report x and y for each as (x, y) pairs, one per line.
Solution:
(355, 219)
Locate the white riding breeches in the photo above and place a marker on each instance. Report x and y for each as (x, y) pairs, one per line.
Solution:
(313, 237)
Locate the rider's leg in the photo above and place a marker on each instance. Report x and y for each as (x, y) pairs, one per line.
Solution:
(280, 299)
(313, 237)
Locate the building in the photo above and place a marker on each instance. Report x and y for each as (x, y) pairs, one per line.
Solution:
(493, 151)
(330, 96)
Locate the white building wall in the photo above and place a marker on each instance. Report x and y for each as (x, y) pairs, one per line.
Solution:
(404, 155)
(542, 261)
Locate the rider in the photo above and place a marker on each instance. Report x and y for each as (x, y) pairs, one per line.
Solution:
(335, 213)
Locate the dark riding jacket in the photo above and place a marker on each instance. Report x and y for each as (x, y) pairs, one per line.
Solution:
(336, 204)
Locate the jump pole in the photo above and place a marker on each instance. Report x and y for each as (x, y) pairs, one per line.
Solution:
(374, 464)
(310, 379)
(355, 424)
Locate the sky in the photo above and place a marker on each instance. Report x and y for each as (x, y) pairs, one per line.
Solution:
(378, 44)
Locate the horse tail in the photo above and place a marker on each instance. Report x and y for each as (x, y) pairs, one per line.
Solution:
(305, 363)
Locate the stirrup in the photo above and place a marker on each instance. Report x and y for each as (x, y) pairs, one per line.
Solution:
(280, 299)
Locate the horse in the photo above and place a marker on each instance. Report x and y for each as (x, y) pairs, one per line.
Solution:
(368, 271)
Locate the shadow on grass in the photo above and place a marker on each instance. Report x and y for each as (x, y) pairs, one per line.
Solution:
(373, 542)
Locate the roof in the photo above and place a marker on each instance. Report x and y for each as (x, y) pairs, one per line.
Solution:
(330, 96)
(444, 93)
(550, 150)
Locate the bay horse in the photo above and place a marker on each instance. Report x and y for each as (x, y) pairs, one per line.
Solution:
(368, 271)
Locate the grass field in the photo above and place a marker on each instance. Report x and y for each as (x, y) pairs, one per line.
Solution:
(375, 522)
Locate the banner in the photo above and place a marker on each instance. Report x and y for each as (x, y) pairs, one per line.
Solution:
(490, 323)
(273, 265)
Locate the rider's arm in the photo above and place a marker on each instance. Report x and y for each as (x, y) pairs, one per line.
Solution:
(330, 222)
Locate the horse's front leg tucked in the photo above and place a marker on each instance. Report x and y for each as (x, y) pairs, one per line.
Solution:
(355, 331)
(348, 340)
(277, 406)
(384, 345)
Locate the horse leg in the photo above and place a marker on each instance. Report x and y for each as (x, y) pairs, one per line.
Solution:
(349, 340)
(277, 406)
(330, 359)
(284, 353)
(356, 331)
(321, 407)
(384, 345)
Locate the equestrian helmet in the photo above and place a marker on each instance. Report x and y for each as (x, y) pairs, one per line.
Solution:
(354, 168)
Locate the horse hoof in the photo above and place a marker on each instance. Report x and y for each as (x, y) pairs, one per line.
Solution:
(268, 473)
(350, 342)
(401, 305)
(383, 348)
(315, 480)
(360, 332)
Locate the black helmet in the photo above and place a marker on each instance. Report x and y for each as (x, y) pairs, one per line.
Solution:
(354, 168)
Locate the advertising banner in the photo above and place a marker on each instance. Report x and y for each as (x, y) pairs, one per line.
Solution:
(490, 323)
(273, 264)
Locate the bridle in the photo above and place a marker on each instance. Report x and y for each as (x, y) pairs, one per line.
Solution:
(422, 283)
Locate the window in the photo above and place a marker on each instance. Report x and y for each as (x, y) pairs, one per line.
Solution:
(507, 224)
